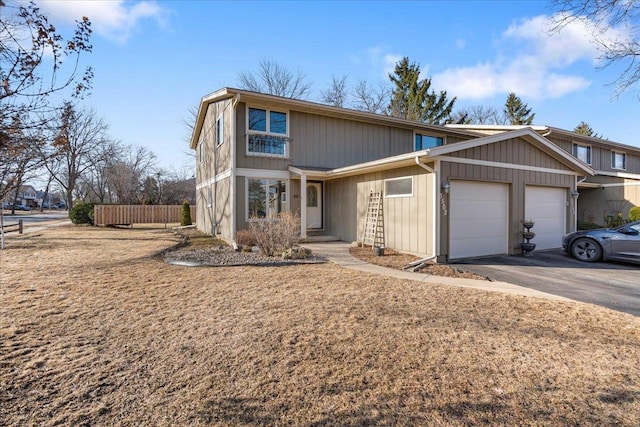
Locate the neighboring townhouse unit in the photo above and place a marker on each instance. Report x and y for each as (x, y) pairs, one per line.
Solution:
(447, 192)
(615, 187)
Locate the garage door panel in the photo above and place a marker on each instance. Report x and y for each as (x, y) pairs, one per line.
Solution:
(546, 206)
(478, 219)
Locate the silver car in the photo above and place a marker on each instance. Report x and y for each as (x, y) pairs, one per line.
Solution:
(619, 243)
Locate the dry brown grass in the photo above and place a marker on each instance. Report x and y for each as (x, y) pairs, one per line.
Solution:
(94, 330)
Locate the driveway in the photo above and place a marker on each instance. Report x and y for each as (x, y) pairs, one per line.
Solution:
(612, 285)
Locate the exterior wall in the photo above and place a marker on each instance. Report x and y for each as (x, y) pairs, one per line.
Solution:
(617, 196)
(516, 151)
(213, 209)
(217, 158)
(408, 221)
(512, 151)
(601, 155)
(328, 142)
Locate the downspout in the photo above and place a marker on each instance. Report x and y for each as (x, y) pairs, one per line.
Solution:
(436, 219)
(234, 207)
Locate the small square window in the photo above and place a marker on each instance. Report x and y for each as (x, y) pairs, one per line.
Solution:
(618, 160)
(582, 152)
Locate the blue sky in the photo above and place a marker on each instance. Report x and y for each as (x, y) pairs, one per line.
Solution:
(155, 60)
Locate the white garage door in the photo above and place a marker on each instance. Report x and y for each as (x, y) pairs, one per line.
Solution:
(547, 208)
(478, 221)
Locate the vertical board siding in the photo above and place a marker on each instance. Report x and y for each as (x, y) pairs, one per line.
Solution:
(139, 214)
(407, 220)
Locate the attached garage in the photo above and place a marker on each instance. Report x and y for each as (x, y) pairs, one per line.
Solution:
(479, 219)
(547, 207)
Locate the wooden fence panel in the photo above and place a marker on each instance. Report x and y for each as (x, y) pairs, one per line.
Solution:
(139, 214)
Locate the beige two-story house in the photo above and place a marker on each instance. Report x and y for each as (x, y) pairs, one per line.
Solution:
(447, 192)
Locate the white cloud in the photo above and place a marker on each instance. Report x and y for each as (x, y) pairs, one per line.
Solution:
(379, 60)
(460, 43)
(533, 62)
(113, 19)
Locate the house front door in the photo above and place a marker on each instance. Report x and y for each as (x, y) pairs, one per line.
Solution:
(314, 205)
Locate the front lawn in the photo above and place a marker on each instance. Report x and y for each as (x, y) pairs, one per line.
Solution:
(95, 329)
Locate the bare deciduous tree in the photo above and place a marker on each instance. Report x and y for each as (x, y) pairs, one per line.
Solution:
(615, 28)
(479, 115)
(126, 175)
(336, 94)
(275, 79)
(79, 140)
(369, 99)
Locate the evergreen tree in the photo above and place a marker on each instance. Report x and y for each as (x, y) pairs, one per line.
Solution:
(517, 112)
(411, 98)
(584, 129)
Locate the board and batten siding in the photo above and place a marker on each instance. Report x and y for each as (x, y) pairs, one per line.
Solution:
(213, 213)
(618, 195)
(408, 221)
(325, 142)
(517, 180)
(601, 155)
(217, 158)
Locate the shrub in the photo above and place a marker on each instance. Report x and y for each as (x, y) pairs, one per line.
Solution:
(245, 238)
(186, 214)
(634, 213)
(81, 213)
(586, 225)
(612, 221)
(275, 235)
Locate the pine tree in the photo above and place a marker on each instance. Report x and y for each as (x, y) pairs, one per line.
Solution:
(411, 99)
(517, 112)
(584, 129)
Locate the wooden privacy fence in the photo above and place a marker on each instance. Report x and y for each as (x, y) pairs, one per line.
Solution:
(139, 214)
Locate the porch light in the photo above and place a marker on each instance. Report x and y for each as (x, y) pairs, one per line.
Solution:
(575, 195)
(446, 187)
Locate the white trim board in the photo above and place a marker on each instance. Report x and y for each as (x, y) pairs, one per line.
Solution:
(217, 178)
(263, 173)
(504, 165)
(618, 174)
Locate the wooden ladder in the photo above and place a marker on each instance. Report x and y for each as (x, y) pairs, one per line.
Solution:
(373, 233)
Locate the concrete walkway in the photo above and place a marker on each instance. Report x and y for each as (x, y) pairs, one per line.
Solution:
(338, 253)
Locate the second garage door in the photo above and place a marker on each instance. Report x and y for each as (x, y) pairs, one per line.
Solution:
(478, 219)
(546, 206)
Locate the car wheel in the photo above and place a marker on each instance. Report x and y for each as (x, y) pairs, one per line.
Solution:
(586, 250)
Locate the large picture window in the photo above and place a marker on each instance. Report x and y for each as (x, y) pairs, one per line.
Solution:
(267, 132)
(582, 152)
(266, 198)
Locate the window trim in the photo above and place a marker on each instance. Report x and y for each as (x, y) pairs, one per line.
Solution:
(394, 196)
(624, 160)
(220, 130)
(246, 196)
(268, 132)
(415, 133)
(574, 152)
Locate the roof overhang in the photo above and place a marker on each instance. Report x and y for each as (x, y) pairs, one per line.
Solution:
(314, 108)
(403, 160)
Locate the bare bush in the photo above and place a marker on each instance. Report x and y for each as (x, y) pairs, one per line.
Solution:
(276, 235)
(245, 238)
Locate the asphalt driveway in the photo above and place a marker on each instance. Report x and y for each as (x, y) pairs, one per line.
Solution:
(612, 285)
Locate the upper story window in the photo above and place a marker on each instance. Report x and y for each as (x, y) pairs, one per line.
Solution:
(201, 151)
(422, 142)
(618, 160)
(582, 152)
(267, 132)
(220, 129)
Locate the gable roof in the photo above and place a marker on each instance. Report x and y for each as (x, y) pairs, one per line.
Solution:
(240, 95)
(427, 156)
(526, 133)
(546, 131)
